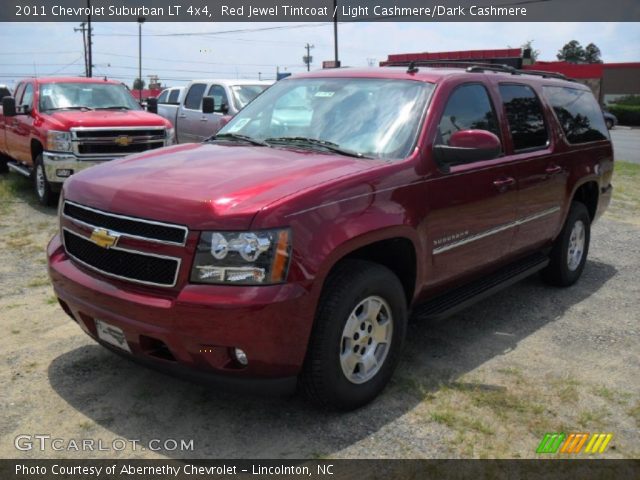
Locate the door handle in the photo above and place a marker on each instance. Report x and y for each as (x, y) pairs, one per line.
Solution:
(204, 119)
(182, 116)
(503, 184)
(553, 169)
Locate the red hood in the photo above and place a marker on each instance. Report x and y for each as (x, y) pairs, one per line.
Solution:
(205, 186)
(66, 119)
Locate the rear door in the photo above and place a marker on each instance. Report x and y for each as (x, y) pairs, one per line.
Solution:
(190, 117)
(541, 176)
(472, 206)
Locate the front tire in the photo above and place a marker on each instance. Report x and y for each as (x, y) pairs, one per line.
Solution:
(569, 253)
(357, 337)
(44, 192)
(609, 124)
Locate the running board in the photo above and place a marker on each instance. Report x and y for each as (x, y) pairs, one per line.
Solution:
(22, 170)
(460, 298)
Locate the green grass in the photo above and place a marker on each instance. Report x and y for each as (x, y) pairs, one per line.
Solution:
(12, 186)
(625, 204)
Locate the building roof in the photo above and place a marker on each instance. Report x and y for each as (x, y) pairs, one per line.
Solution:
(461, 55)
(579, 70)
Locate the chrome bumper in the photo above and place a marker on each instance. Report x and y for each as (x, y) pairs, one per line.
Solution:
(60, 166)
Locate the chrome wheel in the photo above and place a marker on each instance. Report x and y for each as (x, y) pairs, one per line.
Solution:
(576, 245)
(366, 339)
(40, 180)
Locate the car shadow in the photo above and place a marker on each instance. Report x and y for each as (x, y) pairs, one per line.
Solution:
(23, 192)
(141, 404)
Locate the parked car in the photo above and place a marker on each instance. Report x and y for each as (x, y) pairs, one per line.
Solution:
(291, 248)
(192, 123)
(55, 127)
(5, 91)
(168, 102)
(610, 119)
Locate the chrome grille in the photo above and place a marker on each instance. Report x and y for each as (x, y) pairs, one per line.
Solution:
(133, 227)
(114, 142)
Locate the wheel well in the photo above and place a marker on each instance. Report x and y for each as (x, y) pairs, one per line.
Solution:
(36, 149)
(588, 195)
(398, 255)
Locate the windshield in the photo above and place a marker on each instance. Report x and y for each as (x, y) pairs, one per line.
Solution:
(374, 117)
(243, 94)
(60, 96)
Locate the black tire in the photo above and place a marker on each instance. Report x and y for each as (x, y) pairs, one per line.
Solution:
(609, 124)
(559, 272)
(351, 282)
(45, 194)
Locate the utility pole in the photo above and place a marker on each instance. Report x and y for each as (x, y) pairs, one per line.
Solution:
(308, 58)
(89, 42)
(83, 29)
(140, 22)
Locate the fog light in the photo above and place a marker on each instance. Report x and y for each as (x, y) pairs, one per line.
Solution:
(64, 172)
(241, 357)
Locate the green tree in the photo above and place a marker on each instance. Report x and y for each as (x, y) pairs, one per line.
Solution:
(572, 52)
(592, 54)
(138, 84)
(528, 45)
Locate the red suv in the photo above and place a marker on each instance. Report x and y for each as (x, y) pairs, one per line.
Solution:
(291, 247)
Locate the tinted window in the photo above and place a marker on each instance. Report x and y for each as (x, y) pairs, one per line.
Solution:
(468, 107)
(194, 96)
(18, 93)
(163, 97)
(27, 98)
(578, 113)
(173, 96)
(219, 96)
(524, 113)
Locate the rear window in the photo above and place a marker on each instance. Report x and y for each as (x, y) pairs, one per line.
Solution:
(525, 117)
(163, 97)
(173, 96)
(578, 113)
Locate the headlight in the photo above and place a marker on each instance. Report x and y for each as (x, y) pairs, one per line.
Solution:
(170, 136)
(244, 258)
(58, 141)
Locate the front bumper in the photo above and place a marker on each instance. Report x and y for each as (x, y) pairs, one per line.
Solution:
(60, 166)
(195, 328)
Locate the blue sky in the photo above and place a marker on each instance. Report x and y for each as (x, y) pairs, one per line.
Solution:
(54, 48)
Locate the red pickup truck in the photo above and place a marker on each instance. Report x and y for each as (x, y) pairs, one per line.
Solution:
(291, 247)
(55, 127)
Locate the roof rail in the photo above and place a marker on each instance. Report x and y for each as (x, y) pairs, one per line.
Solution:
(475, 67)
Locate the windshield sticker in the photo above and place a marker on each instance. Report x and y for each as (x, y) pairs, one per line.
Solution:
(238, 125)
(325, 94)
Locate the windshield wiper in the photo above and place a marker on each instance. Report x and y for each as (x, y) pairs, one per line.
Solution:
(238, 136)
(114, 107)
(315, 142)
(80, 107)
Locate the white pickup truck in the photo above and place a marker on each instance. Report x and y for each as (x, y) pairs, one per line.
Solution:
(183, 106)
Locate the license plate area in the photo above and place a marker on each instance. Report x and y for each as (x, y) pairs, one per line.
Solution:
(112, 335)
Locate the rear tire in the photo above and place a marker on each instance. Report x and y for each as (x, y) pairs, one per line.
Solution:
(569, 253)
(609, 124)
(358, 334)
(44, 192)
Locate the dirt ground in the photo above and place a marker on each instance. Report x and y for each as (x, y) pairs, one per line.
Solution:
(488, 382)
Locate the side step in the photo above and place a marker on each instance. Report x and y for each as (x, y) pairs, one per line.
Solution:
(21, 169)
(460, 298)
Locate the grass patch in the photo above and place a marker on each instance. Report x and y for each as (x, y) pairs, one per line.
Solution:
(11, 186)
(38, 282)
(625, 204)
(460, 423)
(592, 418)
(634, 412)
(52, 300)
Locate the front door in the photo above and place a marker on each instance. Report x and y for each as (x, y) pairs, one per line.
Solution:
(472, 206)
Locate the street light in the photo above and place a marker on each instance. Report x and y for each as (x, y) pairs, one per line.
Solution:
(141, 20)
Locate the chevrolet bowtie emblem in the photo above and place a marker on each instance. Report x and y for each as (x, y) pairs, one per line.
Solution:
(103, 238)
(123, 140)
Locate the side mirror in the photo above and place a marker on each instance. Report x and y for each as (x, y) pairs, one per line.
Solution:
(467, 146)
(152, 105)
(9, 106)
(208, 105)
(224, 108)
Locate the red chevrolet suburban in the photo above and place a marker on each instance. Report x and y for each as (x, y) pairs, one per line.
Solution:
(291, 247)
(55, 127)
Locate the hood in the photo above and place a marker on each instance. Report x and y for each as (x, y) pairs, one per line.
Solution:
(66, 119)
(206, 186)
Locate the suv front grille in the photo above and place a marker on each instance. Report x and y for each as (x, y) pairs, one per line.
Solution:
(133, 227)
(124, 264)
(117, 141)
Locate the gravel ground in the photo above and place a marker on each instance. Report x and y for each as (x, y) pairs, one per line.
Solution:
(488, 382)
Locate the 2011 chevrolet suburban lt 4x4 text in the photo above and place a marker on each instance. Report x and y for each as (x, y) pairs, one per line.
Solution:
(290, 248)
(55, 127)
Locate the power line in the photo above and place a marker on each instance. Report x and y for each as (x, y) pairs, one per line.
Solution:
(219, 32)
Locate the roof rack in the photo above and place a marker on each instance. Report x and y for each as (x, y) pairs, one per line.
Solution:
(476, 67)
